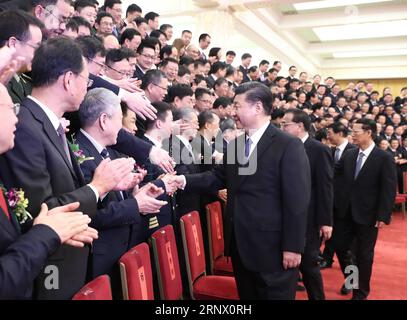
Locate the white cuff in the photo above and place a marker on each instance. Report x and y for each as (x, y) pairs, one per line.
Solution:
(95, 191)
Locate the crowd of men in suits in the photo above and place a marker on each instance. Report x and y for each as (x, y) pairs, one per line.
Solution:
(120, 133)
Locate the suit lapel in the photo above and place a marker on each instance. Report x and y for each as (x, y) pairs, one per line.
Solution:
(39, 114)
(368, 163)
(264, 143)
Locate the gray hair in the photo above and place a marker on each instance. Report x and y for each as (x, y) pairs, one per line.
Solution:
(183, 114)
(96, 102)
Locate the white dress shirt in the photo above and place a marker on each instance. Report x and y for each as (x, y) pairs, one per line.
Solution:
(366, 152)
(157, 143)
(341, 148)
(255, 136)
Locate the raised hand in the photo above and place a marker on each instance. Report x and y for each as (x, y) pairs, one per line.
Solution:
(146, 199)
(110, 173)
(138, 103)
(161, 158)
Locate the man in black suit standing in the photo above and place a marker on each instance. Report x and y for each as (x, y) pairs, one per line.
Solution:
(244, 67)
(337, 135)
(366, 178)
(319, 225)
(23, 256)
(43, 164)
(266, 212)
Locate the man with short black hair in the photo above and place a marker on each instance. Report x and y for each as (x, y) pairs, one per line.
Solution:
(244, 67)
(168, 31)
(367, 182)
(186, 36)
(21, 31)
(152, 21)
(114, 7)
(132, 12)
(204, 42)
(145, 58)
(180, 96)
(319, 225)
(104, 23)
(130, 38)
(230, 57)
(87, 10)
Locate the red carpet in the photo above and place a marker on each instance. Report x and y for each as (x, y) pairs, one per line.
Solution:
(389, 278)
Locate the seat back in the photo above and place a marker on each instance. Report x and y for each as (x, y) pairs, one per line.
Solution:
(215, 231)
(404, 182)
(167, 263)
(97, 289)
(193, 246)
(136, 274)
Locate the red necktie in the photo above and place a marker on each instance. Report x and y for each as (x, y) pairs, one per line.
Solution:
(3, 204)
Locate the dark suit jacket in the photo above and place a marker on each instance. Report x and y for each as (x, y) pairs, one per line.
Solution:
(19, 90)
(99, 82)
(186, 201)
(115, 220)
(321, 204)
(266, 210)
(210, 80)
(167, 214)
(22, 256)
(245, 74)
(138, 73)
(39, 165)
(370, 197)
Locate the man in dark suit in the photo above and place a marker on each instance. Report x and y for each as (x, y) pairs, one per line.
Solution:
(122, 216)
(145, 58)
(23, 256)
(319, 225)
(266, 213)
(337, 135)
(22, 32)
(185, 158)
(366, 179)
(43, 164)
(244, 67)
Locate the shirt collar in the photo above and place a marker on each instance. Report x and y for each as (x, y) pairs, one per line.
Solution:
(368, 150)
(153, 140)
(50, 114)
(184, 141)
(256, 136)
(96, 144)
(343, 145)
(304, 138)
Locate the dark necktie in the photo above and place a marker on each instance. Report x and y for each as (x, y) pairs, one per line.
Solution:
(105, 155)
(247, 146)
(337, 154)
(64, 142)
(359, 164)
(3, 204)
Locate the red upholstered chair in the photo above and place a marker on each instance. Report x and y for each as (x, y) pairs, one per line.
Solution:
(220, 265)
(136, 275)
(401, 198)
(98, 289)
(167, 263)
(202, 287)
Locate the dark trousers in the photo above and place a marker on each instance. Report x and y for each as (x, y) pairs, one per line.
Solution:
(365, 237)
(251, 285)
(309, 267)
(329, 251)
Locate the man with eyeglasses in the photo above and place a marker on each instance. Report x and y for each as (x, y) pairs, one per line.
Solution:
(54, 14)
(203, 99)
(145, 58)
(20, 31)
(118, 65)
(44, 166)
(170, 68)
(104, 23)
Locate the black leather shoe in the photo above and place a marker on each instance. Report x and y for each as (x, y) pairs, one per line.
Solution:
(345, 291)
(325, 264)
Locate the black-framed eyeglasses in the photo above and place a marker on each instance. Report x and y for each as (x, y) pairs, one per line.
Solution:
(148, 56)
(34, 46)
(89, 82)
(100, 64)
(165, 89)
(62, 20)
(126, 74)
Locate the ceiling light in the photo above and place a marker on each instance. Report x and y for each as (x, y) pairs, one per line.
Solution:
(302, 6)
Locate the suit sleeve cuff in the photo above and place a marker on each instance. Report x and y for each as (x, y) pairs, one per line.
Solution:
(96, 192)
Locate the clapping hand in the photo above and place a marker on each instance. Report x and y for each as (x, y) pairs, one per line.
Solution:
(146, 198)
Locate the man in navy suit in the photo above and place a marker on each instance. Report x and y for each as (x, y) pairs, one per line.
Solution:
(319, 225)
(266, 213)
(43, 164)
(23, 256)
(366, 183)
(120, 214)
